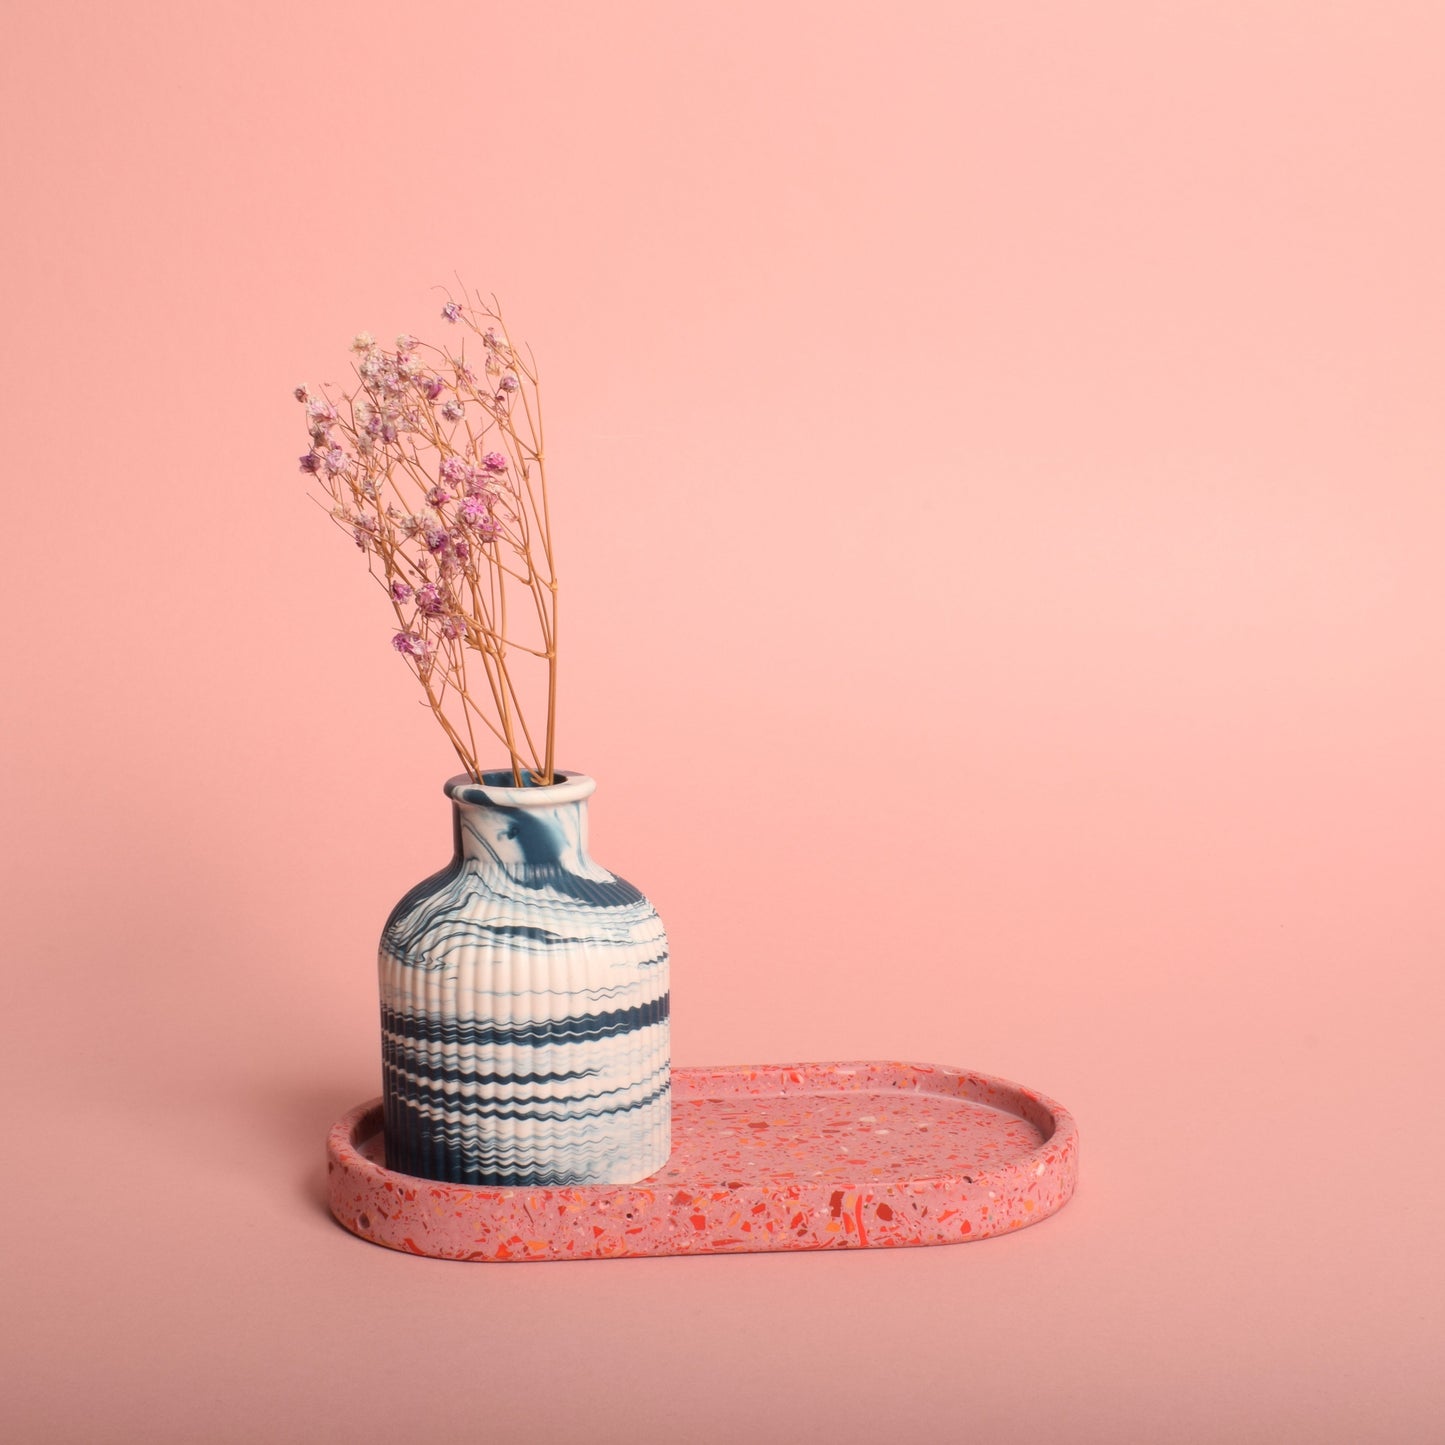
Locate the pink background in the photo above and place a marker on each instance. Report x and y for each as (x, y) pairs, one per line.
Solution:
(997, 459)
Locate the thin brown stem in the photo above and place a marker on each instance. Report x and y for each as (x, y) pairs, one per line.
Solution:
(412, 537)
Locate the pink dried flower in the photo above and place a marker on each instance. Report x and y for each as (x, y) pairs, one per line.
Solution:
(409, 644)
(380, 372)
(434, 565)
(363, 527)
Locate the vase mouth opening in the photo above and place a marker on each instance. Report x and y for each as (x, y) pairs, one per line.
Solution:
(498, 789)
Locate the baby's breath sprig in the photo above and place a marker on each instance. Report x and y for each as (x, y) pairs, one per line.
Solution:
(434, 464)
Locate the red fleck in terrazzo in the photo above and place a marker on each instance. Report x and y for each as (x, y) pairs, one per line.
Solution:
(790, 1156)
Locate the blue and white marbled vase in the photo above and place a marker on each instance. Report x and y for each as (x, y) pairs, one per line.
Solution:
(524, 1003)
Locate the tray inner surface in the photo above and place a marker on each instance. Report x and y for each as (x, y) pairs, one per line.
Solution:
(809, 1133)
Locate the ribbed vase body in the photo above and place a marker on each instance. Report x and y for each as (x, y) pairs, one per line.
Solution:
(524, 1004)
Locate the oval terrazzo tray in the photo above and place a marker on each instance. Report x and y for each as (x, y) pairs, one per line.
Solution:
(783, 1156)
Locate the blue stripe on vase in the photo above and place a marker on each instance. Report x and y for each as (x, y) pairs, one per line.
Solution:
(483, 1032)
(562, 1109)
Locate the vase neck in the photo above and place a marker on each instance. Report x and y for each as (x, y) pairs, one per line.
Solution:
(523, 831)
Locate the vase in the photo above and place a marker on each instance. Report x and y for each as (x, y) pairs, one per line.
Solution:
(524, 1003)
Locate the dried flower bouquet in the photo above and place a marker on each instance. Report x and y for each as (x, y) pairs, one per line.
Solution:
(435, 466)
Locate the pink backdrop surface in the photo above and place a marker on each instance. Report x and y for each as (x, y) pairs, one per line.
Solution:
(997, 462)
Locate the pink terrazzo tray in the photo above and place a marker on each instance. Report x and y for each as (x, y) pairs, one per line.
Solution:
(783, 1156)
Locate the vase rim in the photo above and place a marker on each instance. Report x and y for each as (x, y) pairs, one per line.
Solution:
(569, 787)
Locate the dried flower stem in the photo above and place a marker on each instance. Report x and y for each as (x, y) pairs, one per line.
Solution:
(428, 470)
